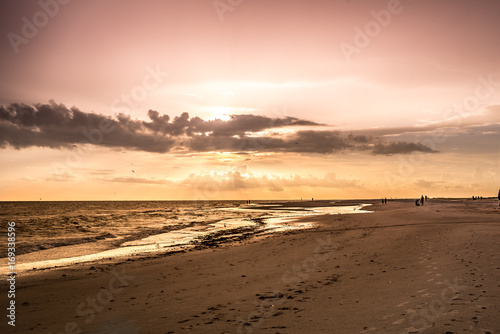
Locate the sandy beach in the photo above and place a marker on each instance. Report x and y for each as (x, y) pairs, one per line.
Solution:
(401, 269)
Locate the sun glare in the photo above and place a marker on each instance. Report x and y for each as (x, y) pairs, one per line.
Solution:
(222, 113)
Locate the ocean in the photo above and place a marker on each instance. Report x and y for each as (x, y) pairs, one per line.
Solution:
(52, 234)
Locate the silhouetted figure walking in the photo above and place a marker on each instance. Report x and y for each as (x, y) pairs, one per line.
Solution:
(422, 200)
(385, 200)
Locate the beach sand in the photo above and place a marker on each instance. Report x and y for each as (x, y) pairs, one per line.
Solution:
(401, 269)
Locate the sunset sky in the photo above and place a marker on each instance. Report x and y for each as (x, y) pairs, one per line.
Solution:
(249, 99)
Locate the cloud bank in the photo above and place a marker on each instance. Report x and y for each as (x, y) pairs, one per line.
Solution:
(56, 126)
(210, 185)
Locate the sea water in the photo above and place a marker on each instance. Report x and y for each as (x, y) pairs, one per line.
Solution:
(53, 234)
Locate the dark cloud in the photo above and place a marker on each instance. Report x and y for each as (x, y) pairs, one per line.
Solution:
(401, 148)
(319, 142)
(241, 124)
(301, 142)
(237, 125)
(364, 139)
(54, 125)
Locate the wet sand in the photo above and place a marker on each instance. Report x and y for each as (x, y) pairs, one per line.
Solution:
(401, 269)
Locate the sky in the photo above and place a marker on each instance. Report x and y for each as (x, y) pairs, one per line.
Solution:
(248, 100)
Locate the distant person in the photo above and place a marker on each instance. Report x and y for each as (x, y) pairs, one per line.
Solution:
(417, 202)
(426, 198)
(382, 201)
(422, 199)
(385, 200)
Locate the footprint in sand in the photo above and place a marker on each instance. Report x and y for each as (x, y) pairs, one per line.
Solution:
(398, 322)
